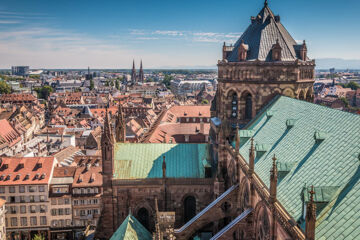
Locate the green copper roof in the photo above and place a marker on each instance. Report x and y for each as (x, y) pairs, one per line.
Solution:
(131, 229)
(321, 149)
(144, 160)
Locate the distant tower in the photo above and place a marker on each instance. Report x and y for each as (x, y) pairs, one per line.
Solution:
(120, 126)
(133, 73)
(88, 76)
(141, 74)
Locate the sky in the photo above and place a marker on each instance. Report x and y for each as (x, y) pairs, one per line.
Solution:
(164, 34)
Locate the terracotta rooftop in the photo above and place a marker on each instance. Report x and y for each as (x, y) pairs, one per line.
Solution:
(8, 133)
(187, 111)
(33, 170)
(88, 172)
(17, 97)
(64, 172)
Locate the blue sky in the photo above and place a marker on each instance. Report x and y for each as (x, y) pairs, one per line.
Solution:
(187, 33)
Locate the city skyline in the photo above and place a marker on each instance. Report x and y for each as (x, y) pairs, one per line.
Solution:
(183, 34)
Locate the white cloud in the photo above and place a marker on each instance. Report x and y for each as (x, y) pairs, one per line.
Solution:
(169, 33)
(52, 48)
(9, 22)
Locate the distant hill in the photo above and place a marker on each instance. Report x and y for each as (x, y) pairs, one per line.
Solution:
(337, 63)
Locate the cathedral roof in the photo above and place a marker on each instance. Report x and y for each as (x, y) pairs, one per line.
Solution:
(144, 160)
(314, 145)
(131, 229)
(264, 31)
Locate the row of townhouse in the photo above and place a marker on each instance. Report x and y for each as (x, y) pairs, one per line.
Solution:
(43, 198)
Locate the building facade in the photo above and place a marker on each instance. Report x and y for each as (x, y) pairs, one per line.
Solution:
(24, 184)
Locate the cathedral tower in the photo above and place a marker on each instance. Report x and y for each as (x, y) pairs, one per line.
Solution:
(107, 219)
(133, 74)
(266, 61)
(141, 74)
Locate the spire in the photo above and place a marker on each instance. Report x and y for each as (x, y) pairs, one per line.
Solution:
(273, 181)
(107, 134)
(120, 125)
(252, 157)
(133, 73)
(164, 167)
(141, 74)
(310, 223)
(266, 3)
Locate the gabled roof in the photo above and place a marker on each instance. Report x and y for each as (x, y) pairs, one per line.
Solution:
(144, 160)
(330, 162)
(131, 229)
(26, 170)
(265, 29)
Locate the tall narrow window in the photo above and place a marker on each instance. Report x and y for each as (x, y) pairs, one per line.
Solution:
(189, 208)
(248, 107)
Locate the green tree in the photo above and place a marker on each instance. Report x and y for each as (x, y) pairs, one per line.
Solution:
(4, 87)
(167, 80)
(38, 237)
(44, 92)
(92, 86)
(345, 101)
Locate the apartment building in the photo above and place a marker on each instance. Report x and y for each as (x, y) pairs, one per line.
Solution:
(24, 184)
(86, 193)
(61, 207)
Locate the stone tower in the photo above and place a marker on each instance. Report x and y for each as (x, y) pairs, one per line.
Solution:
(120, 125)
(133, 74)
(266, 61)
(107, 218)
(141, 73)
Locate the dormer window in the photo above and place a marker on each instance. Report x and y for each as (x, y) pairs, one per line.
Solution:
(17, 177)
(36, 176)
(276, 51)
(27, 176)
(7, 178)
(42, 176)
(2, 177)
(242, 52)
(80, 179)
(21, 165)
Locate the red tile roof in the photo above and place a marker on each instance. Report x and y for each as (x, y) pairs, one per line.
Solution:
(88, 171)
(64, 172)
(174, 112)
(33, 170)
(8, 133)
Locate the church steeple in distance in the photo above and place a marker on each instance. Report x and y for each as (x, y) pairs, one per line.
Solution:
(141, 73)
(133, 73)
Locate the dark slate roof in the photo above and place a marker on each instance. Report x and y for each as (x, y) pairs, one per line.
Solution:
(262, 34)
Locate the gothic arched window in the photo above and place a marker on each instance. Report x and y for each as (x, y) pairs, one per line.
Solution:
(263, 225)
(143, 217)
(248, 107)
(189, 208)
(234, 106)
